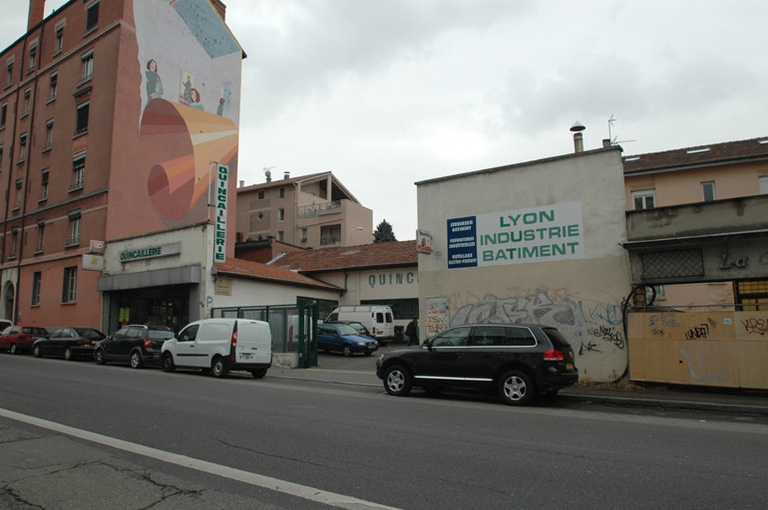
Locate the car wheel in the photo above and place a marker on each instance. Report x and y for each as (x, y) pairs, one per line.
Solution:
(259, 373)
(99, 357)
(14, 349)
(398, 381)
(347, 350)
(167, 362)
(516, 388)
(37, 352)
(136, 360)
(219, 367)
(68, 354)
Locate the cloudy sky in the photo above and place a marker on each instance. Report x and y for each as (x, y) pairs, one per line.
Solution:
(386, 93)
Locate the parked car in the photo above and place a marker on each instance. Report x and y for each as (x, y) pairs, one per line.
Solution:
(68, 343)
(134, 344)
(335, 336)
(519, 361)
(379, 319)
(221, 345)
(359, 327)
(19, 339)
(5, 323)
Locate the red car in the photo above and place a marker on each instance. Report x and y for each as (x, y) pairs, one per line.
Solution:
(18, 339)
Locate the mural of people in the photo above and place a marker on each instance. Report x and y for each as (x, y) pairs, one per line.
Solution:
(220, 108)
(186, 95)
(154, 84)
(194, 99)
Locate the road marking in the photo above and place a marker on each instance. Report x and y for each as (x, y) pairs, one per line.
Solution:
(275, 484)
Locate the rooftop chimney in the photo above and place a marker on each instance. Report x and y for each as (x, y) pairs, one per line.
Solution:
(287, 175)
(578, 138)
(36, 13)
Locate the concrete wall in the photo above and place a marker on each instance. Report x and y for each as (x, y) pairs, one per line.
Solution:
(580, 293)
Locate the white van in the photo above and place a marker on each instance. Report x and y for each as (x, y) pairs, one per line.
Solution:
(377, 318)
(221, 345)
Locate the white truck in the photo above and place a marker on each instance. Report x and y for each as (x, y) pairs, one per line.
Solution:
(377, 318)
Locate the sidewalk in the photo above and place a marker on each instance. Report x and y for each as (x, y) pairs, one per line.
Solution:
(748, 402)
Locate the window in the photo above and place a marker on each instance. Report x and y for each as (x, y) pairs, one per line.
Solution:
(19, 184)
(9, 73)
(74, 228)
(708, 191)
(303, 235)
(54, 86)
(14, 242)
(1, 158)
(281, 214)
(261, 195)
(281, 192)
(40, 236)
(280, 235)
(763, 184)
(59, 42)
(44, 182)
(48, 135)
(82, 118)
(92, 17)
(27, 94)
(645, 199)
(32, 55)
(78, 167)
(22, 147)
(69, 289)
(37, 279)
(3, 114)
(87, 66)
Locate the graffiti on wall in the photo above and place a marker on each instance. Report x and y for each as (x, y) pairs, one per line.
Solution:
(706, 362)
(590, 327)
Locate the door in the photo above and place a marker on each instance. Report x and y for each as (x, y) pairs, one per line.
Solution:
(186, 347)
(254, 342)
(447, 357)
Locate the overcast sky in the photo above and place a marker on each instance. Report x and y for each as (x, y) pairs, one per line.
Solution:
(385, 93)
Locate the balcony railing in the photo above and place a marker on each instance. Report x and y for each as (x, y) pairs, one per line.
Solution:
(307, 211)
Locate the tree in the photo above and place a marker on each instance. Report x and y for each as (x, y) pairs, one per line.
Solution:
(383, 233)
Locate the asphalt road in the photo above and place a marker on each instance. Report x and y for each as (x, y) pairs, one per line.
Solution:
(195, 441)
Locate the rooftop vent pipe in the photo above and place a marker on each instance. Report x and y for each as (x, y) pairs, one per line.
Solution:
(578, 138)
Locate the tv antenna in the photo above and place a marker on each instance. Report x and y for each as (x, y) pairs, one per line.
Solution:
(613, 139)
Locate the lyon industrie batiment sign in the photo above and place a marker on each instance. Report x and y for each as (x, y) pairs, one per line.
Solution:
(537, 234)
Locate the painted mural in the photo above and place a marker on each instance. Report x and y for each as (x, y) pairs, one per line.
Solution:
(594, 329)
(190, 73)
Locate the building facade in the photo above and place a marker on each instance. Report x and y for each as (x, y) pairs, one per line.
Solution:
(695, 175)
(119, 127)
(311, 211)
(535, 242)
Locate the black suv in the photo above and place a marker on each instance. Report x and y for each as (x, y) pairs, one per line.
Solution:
(135, 344)
(519, 361)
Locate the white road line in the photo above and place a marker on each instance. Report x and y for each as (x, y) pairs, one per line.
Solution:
(293, 489)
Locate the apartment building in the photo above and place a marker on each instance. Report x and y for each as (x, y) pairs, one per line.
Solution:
(706, 173)
(111, 113)
(310, 211)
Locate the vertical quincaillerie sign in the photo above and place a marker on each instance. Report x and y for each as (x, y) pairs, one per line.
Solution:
(220, 222)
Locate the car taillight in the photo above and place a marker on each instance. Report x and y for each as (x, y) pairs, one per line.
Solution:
(233, 344)
(147, 343)
(374, 330)
(553, 355)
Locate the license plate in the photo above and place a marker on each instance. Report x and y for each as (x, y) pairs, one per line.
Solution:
(246, 355)
(569, 366)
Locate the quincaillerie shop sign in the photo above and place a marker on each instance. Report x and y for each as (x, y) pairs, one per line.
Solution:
(150, 252)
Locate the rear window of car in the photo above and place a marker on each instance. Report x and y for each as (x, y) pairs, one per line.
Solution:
(159, 335)
(557, 338)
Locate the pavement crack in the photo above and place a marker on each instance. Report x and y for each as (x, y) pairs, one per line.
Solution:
(272, 455)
